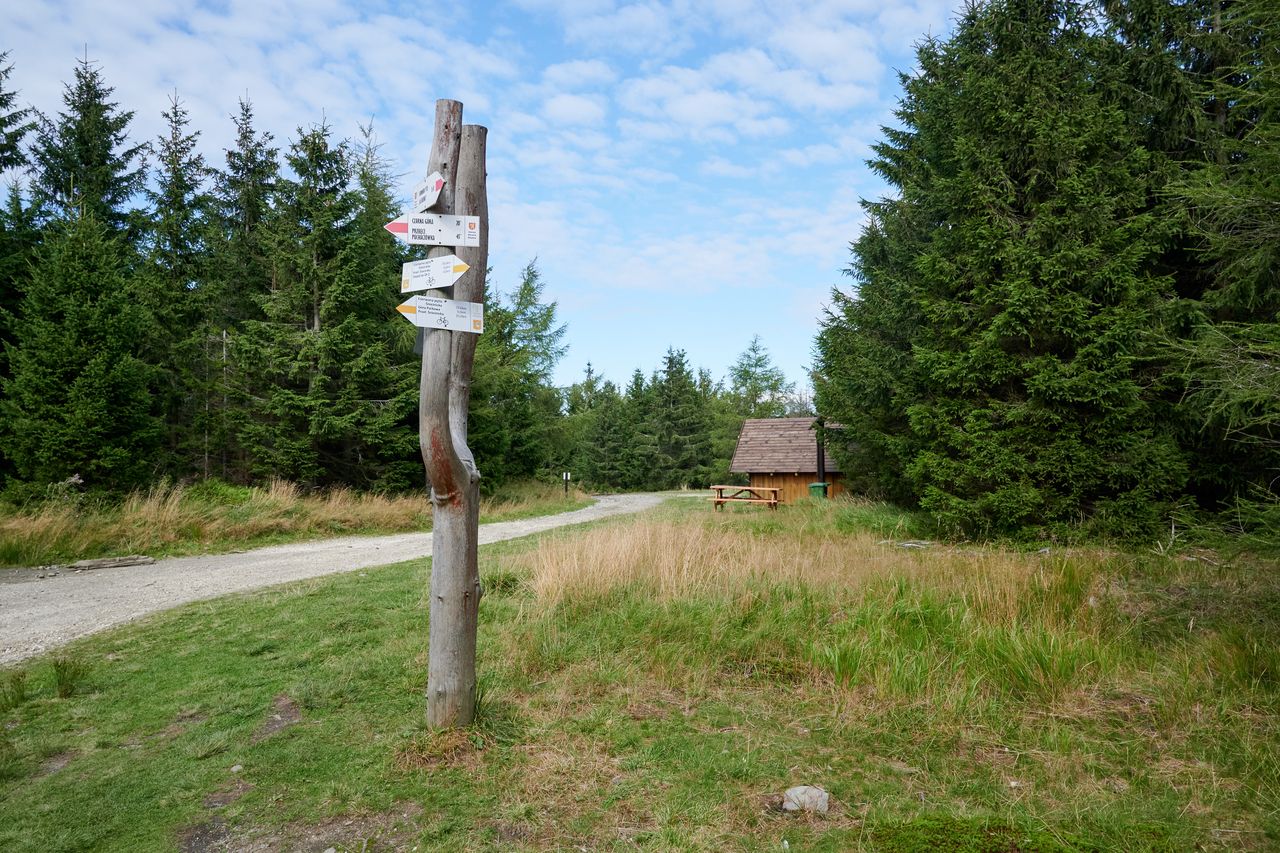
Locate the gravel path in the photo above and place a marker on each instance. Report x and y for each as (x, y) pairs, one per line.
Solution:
(38, 614)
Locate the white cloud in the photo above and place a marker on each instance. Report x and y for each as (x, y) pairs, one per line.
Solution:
(838, 53)
(688, 103)
(652, 29)
(574, 110)
(721, 167)
(580, 73)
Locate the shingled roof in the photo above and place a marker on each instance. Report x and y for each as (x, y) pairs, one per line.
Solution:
(779, 446)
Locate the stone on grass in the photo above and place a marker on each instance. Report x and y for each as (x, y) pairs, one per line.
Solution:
(806, 798)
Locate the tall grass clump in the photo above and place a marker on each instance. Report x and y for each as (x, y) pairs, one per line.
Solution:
(13, 689)
(68, 675)
(10, 763)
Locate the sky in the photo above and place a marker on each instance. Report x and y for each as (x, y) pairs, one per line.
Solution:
(687, 173)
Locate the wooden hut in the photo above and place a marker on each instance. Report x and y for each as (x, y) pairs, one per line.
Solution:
(783, 453)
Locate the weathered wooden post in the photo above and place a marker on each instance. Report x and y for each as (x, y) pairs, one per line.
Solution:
(459, 217)
(451, 467)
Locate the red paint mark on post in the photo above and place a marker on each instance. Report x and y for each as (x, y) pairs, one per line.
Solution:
(397, 226)
(441, 470)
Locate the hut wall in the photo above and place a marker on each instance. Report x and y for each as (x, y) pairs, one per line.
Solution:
(796, 486)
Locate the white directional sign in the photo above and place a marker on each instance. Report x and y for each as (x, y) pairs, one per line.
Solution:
(426, 193)
(431, 274)
(432, 312)
(433, 229)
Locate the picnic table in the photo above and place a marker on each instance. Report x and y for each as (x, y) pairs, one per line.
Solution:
(745, 494)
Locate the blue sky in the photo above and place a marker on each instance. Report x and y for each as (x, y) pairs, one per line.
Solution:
(687, 173)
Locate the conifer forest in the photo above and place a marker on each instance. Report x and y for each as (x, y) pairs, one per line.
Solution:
(1063, 317)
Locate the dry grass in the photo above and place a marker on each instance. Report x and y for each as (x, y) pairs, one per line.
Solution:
(674, 560)
(168, 518)
(171, 519)
(948, 626)
(530, 498)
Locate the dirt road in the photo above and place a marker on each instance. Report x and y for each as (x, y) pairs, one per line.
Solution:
(38, 614)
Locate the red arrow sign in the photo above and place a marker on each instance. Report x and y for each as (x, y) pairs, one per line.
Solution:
(426, 193)
(434, 229)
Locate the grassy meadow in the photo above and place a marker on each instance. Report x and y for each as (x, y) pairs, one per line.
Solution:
(212, 516)
(656, 683)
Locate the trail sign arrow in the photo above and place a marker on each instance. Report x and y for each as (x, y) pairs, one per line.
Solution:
(431, 274)
(426, 193)
(432, 229)
(432, 312)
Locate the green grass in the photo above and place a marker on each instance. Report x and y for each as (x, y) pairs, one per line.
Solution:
(215, 517)
(948, 699)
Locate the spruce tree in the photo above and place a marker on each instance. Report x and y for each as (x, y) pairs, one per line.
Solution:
(15, 124)
(581, 400)
(1184, 68)
(515, 411)
(243, 203)
(536, 332)
(19, 239)
(607, 439)
(1231, 357)
(757, 387)
(365, 422)
(18, 232)
(179, 206)
(639, 460)
(83, 160)
(19, 236)
(283, 357)
(175, 291)
(682, 424)
(496, 410)
(865, 376)
(239, 277)
(1019, 285)
(78, 403)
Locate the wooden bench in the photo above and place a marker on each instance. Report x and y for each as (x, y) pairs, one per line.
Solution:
(746, 495)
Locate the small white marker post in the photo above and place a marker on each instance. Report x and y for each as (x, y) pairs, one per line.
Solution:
(566, 484)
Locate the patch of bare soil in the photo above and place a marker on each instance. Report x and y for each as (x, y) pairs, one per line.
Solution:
(227, 794)
(284, 713)
(393, 830)
(208, 837)
(54, 763)
(646, 711)
(512, 833)
(185, 720)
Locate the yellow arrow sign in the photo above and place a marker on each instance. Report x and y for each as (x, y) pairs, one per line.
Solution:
(431, 274)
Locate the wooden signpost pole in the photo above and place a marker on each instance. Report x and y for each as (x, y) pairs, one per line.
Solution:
(458, 154)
